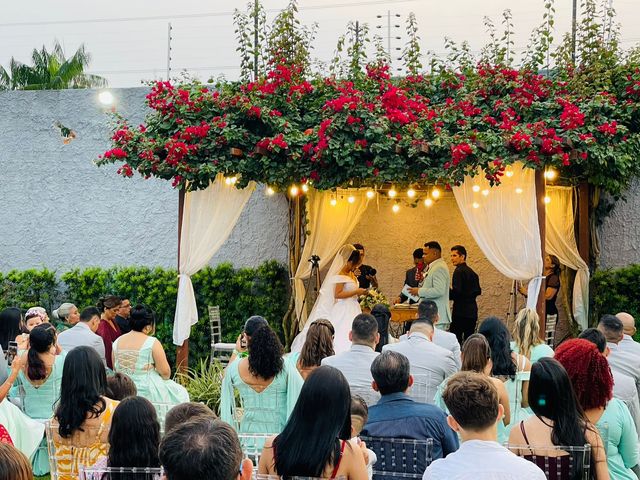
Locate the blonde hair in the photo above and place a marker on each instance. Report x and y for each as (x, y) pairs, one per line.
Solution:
(13, 463)
(526, 331)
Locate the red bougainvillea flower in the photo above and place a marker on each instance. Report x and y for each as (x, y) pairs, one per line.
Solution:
(565, 159)
(521, 141)
(571, 116)
(125, 170)
(176, 181)
(275, 113)
(361, 143)
(460, 152)
(115, 153)
(608, 128)
(351, 120)
(254, 111)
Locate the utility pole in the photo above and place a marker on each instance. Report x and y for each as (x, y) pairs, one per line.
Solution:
(256, 47)
(574, 27)
(169, 52)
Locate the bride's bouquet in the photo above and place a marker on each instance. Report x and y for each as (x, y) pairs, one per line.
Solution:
(372, 298)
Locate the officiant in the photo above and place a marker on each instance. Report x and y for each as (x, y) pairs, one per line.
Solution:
(414, 276)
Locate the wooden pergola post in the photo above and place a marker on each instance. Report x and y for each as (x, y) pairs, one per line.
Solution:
(542, 219)
(583, 238)
(182, 351)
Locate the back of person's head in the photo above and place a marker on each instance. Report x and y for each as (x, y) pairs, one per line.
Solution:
(358, 246)
(318, 345)
(628, 322)
(391, 372)
(472, 400)
(551, 395)
(84, 382)
(108, 302)
(496, 333)
(13, 464)
(427, 311)
(88, 313)
(184, 412)
(382, 315)
(596, 337)
(265, 353)
(120, 386)
(253, 323)
(134, 435)
(418, 253)
(202, 448)
(433, 246)
(63, 311)
(526, 331)
(476, 353)
(321, 416)
(10, 325)
(141, 317)
(364, 329)
(359, 414)
(41, 340)
(588, 370)
(612, 328)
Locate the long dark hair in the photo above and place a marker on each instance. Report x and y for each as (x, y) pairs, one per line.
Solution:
(322, 415)
(496, 333)
(10, 326)
(265, 353)
(134, 436)
(476, 353)
(41, 338)
(318, 345)
(84, 382)
(551, 395)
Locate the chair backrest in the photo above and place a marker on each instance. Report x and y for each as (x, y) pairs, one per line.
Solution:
(400, 457)
(558, 462)
(120, 473)
(550, 329)
(215, 324)
(251, 444)
(422, 391)
(368, 394)
(262, 476)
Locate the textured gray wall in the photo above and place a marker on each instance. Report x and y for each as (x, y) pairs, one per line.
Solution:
(60, 211)
(620, 232)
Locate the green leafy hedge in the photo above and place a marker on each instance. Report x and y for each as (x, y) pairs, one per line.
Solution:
(616, 290)
(240, 293)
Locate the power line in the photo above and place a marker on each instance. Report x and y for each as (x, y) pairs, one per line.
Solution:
(195, 15)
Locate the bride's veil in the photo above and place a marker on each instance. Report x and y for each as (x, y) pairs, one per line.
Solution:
(325, 301)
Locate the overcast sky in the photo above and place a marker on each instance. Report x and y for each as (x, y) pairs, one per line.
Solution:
(128, 39)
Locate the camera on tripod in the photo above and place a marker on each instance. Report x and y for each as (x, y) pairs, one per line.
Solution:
(315, 261)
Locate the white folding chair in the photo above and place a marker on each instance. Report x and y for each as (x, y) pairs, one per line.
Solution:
(550, 329)
(400, 457)
(220, 350)
(120, 473)
(422, 391)
(559, 462)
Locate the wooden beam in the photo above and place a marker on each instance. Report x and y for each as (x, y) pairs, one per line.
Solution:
(583, 237)
(182, 351)
(542, 219)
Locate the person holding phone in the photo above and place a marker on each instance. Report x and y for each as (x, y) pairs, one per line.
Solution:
(250, 326)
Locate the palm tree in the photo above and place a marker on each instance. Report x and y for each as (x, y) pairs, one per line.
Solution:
(50, 71)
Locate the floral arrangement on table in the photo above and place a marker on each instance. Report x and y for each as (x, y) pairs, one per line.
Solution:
(372, 298)
(365, 127)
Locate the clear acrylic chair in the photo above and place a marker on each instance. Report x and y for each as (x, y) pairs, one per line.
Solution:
(82, 449)
(558, 462)
(261, 476)
(220, 350)
(400, 457)
(251, 444)
(422, 391)
(121, 473)
(368, 394)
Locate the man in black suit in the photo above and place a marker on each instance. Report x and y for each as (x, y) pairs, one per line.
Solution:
(414, 276)
(464, 290)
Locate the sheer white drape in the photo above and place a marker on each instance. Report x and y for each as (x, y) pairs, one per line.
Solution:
(561, 242)
(207, 221)
(504, 223)
(329, 227)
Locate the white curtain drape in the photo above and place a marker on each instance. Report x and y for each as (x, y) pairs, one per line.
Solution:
(331, 219)
(504, 222)
(207, 221)
(561, 242)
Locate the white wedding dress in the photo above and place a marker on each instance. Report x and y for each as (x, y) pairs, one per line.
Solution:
(339, 311)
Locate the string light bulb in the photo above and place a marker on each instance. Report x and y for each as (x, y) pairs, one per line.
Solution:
(485, 192)
(411, 193)
(392, 193)
(546, 199)
(294, 191)
(428, 202)
(270, 191)
(475, 205)
(550, 174)
(227, 180)
(476, 188)
(234, 180)
(351, 199)
(305, 187)
(509, 173)
(395, 208)
(435, 193)
(333, 202)
(519, 190)
(370, 194)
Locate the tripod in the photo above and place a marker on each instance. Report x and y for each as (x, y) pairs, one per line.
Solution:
(314, 279)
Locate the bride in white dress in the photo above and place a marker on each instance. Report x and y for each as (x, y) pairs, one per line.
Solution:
(338, 299)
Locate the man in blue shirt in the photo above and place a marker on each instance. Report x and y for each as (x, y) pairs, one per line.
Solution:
(397, 415)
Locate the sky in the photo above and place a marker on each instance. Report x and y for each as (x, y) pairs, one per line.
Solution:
(128, 39)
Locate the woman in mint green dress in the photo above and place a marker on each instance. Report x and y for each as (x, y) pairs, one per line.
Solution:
(526, 336)
(142, 358)
(38, 384)
(267, 388)
(592, 381)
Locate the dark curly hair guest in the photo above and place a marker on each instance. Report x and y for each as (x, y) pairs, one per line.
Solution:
(265, 353)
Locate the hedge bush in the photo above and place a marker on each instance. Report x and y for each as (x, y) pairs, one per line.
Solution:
(240, 293)
(616, 290)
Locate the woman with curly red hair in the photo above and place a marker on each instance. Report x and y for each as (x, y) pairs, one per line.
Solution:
(592, 381)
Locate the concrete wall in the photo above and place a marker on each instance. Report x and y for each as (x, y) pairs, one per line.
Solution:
(59, 210)
(620, 232)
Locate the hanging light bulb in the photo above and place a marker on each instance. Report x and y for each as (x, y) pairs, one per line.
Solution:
(227, 180)
(476, 188)
(435, 193)
(233, 180)
(428, 202)
(485, 192)
(294, 191)
(519, 190)
(475, 205)
(550, 174)
(270, 191)
(547, 199)
(305, 187)
(509, 173)
(370, 194)
(411, 193)
(333, 202)
(395, 208)
(392, 193)
(351, 199)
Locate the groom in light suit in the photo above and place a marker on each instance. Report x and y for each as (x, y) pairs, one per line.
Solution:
(435, 285)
